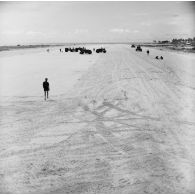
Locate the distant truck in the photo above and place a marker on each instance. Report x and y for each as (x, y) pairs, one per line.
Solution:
(139, 48)
(101, 50)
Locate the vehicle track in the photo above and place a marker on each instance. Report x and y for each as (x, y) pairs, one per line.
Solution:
(120, 130)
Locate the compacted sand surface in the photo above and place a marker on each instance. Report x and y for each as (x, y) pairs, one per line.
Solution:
(126, 126)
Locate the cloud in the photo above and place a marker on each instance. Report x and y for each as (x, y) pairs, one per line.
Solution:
(140, 14)
(119, 30)
(28, 33)
(81, 31)
(135, 31)
(146, 24)
(176, 35)
(10, 32)
(34, 33)
(175, 15)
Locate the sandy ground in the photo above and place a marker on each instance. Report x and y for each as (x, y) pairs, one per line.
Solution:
(126, 126)
(22, 72)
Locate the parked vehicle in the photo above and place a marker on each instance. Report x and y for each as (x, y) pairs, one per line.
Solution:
(139, 48)
(101, 50)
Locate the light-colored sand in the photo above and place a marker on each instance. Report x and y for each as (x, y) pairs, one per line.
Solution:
(22, 72)
(127, 126)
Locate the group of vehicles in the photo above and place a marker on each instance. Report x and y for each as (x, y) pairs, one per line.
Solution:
(101, 50)
(159, 58)
(83, 50)
(139, 49)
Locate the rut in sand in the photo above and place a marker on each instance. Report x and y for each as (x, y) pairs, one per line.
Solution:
(125, 127)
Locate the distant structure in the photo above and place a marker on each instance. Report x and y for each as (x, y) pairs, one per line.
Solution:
(164, 42)
(178, 42)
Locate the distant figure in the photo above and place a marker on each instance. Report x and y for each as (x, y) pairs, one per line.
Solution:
(46, 88)
(161, 58)
(148, 52)
(60, 50)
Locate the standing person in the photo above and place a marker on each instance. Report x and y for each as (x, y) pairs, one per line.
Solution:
(46, 88)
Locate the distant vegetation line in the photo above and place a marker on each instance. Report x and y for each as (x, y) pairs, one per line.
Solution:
(29, 46)
(179, 43)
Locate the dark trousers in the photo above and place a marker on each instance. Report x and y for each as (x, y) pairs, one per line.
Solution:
(46, 94)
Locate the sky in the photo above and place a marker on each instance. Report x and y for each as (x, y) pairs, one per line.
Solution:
(95, 21)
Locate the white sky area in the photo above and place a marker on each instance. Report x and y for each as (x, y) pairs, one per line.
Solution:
(57, 22)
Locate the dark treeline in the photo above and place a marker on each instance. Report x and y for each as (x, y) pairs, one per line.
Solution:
(180, 41)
